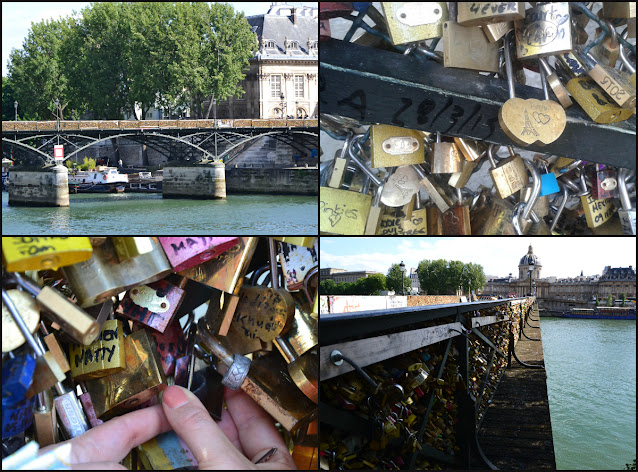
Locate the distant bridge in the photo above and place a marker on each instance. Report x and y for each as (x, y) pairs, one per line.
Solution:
(187, 139)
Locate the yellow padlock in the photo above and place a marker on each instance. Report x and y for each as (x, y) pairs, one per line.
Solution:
(20, 254)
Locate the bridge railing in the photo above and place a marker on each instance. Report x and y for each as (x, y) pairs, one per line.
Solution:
(463, 349)
(31, 126)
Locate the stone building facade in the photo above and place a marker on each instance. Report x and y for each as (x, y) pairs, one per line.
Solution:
(282, 78)
(341, 275)
(559, 295)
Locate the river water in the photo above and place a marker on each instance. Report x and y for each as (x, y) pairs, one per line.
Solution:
(591, 382)
(136, 213)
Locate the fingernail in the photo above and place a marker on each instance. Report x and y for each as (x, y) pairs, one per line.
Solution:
(174, 397)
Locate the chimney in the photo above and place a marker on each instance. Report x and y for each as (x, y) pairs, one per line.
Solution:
(294, 16)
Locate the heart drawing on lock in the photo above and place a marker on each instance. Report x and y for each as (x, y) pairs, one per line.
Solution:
(417, 221)
(532, 121)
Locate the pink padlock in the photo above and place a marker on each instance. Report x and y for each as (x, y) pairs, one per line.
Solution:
(186, 252)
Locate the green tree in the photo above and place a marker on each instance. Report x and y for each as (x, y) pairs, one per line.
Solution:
(442, 277)
(397, 280)
(610, 300)
(597, 301)
(623, 297)
(327, 287)
(432, 276)
(371, 285)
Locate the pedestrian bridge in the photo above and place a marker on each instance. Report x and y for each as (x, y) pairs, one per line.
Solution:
(32, 142)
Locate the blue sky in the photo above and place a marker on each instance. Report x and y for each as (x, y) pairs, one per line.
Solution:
(559, 256)
(17, 18)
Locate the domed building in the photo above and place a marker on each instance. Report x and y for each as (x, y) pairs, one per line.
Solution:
(560, 294)
(530, 263)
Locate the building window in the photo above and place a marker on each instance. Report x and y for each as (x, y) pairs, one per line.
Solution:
(299, 89)
(269, 44)
(294, 45)
(275, 86)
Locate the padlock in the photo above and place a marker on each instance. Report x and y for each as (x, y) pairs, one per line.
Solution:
(184, 253)
(102, 276)
(87, 404)
(619, 9)
(16, 416)
(414, 21)
(529, 121)
(73, 320)
(47, 372)
(625, 60)
(267, 382)
(45, 419)
(54, 348)
(17, 375)
(296, 262)
(142, 379)
(554, 82)
(468, 48)
(495, 31)
(392, 146)
(435, 196)
(400, 187)
(303, 334)
(612, 82)
(342, 211)
(597, 212)
(225, 273)
(303, 370)
(399, 224)
(604, 183)
(20, 254)
(627, 213)
(483, 13)
(608, 50)
(26, 305)
(591, 97)
(457, 219)
(340, 164)
(103, 357)
(509, 175)
(445, 158)
(545, 30)
(130, 247)
(154, 305)
(69, 412)
(167, 451)
(171, 345)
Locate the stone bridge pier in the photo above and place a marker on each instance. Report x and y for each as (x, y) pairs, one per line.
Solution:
(198, 181)
(38, 187)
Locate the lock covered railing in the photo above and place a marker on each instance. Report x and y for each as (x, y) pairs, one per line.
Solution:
(411, 115)
(417, 383)
(91, 331)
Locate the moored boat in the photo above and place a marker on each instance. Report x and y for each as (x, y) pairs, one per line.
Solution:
(603, 312)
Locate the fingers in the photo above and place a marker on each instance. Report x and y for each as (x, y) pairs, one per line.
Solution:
(207, 442)
(256, 430)
(112, 440)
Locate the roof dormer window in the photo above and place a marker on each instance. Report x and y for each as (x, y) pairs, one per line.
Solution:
(269, 44)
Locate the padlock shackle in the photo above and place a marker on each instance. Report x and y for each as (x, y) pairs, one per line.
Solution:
(561, 207)
(536, 189)
(622, 189)
(508, 63)
(624, 58)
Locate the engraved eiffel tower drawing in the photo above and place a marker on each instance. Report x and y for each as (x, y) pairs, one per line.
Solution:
(528, 128)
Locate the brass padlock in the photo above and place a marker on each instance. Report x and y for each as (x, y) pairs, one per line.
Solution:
(342, 211)
(457, 219)
(103, 357)
(545, 30)
(26, 305)
(103, 276)
(445, 158)
(414, 21)
(597, 212)
(393, 146)
(296, 262)
(495, 31)
(495, 217)
(608, 51)
(509, 175)
(20, 254)
(130, 247)
(468, 48)
(225, 273)
(483, 13)
(612, 82)
(142, 379)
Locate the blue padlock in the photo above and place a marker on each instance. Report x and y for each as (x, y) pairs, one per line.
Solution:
(17, 374)
(16, 416)
(549, 184)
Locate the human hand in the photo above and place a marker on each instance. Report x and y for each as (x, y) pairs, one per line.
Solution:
(245, 433)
